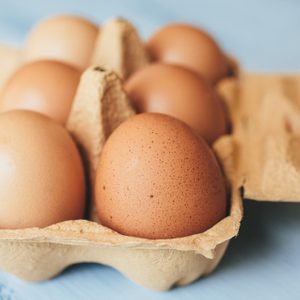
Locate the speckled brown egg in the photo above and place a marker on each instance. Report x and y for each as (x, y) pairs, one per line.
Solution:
(66, 38)
(180, 93)
(157, 179)
(43, 86)
(189, 46)
(42, 180)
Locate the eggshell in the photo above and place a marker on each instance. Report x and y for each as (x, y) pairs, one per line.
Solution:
(189, 46)
(67, 38)
(180, 93)
(42, 181)
(157, 179)
(47, 87)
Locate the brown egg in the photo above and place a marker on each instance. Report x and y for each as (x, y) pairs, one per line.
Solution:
(42, 179)
(191, 47)
(157, 179)
(180, 93)
(67, 38)
(47, 87)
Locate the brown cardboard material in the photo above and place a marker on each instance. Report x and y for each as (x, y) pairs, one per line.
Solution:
(119, 48)
(265, 113)
(38, 254)
(10, 59)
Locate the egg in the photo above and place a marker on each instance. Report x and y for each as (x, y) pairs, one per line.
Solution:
(47, 87)
(67, 38)
(181, 93)
(42, 180)
(189, 46)
(157, 179)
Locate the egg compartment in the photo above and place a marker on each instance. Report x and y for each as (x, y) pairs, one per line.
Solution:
(99, 107)
(265, 113)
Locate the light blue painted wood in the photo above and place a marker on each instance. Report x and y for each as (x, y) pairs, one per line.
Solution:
(264, 261)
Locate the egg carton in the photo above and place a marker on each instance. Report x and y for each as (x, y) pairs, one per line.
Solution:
(263, 150)
(100, 105)
(10, 59)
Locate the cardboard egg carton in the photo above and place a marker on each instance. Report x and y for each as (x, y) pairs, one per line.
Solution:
(265, 114)
(10, 59)
(100, 105)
